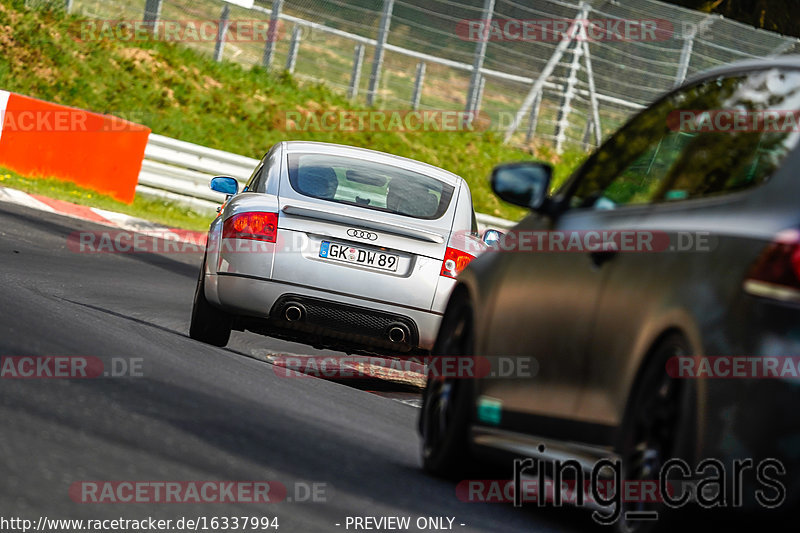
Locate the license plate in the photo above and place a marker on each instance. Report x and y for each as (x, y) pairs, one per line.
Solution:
(358, 256)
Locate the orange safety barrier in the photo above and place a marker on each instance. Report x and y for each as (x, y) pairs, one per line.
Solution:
(43, 139)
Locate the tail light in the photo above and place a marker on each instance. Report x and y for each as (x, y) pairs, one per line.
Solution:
(776, 272)
(454, 262)
(256, 226)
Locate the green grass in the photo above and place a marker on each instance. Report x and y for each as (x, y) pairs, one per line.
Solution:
(150, 208)
(182, 93)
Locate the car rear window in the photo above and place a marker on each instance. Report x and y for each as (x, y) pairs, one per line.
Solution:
(369, 185)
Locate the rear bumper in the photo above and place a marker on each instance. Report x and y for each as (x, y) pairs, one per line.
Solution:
(341, 318)
(746, 417)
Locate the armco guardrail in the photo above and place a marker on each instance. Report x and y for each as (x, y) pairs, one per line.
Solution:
(180, 171)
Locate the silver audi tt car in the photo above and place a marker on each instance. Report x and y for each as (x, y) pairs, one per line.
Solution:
(336, 247)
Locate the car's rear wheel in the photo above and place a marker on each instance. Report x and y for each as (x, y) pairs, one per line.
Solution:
(658, 425)
(444, 418)
(208, 324)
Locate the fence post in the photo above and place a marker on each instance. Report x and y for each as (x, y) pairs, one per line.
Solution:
(68, 7)
(415, 98)
(476, 107)
(272, 33)
(355, 75)
(598, 130)
(533, 120)
(785, 46)
(686, 56)
(477, 62)
(546, 72)
(562, 123)
(688, 48)
(152, 12)
(587, 133)
(294, 47)
(222, 27)
(377, 61)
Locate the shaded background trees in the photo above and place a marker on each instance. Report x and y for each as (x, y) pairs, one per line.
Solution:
(782, 16)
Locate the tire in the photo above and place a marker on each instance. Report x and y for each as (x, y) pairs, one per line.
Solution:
(208, 324)
(445, 413)
(658, 425)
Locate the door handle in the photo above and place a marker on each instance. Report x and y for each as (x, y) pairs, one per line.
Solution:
(598, 258)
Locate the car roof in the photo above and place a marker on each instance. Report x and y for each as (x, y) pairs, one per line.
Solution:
(785, 61)
(373, 155)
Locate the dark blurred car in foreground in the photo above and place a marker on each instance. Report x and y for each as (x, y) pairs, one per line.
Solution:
(714, 162)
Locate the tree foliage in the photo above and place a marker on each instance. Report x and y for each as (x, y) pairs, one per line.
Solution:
(782, 16)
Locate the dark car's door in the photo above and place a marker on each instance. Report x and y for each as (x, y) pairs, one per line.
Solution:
(712, 219)
(547, 305)
(547, 302)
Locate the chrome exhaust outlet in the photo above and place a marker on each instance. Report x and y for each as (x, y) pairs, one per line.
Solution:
(293, 313)
(398, 333)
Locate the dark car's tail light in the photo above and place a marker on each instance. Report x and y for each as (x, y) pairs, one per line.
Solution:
(454, 262)
(776, 272)
(256, 225)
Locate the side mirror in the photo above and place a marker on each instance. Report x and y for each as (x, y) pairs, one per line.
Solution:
(224, 184)
(491, 236)
(523, 184)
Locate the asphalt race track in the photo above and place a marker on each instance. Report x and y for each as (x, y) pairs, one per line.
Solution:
(195, 412)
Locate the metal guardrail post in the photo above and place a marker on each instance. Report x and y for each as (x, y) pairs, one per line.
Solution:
(222, 28)
(417, 95)
(472, 105)
(355, 76)
(272, 34)
(294, 48)
(377, 61)
(152, 12)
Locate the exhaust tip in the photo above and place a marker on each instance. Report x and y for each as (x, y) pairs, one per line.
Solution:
(293, 312)
(398, 333)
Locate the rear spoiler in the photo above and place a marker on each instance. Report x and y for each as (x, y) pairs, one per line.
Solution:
(395, 229)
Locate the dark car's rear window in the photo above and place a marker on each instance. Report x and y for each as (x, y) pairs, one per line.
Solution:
(369, 185)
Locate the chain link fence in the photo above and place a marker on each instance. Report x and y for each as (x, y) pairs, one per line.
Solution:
(531, 71)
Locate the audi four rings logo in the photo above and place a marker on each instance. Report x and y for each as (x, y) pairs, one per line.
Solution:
(361, 234)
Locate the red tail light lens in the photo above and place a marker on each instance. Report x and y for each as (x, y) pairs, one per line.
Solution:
(776, 272)
(256, 226)
(454, 262)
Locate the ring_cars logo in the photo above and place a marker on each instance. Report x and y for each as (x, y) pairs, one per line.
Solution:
(361, 234)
